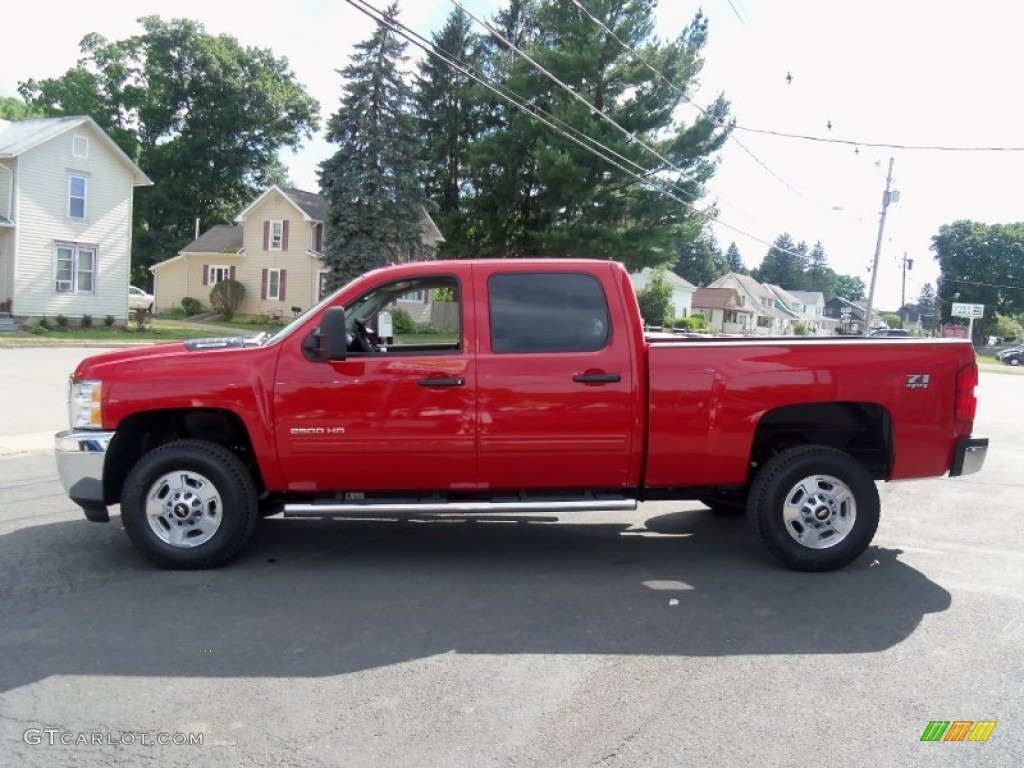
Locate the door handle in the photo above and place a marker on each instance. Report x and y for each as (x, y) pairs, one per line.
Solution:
(597, 378)
(441, 382)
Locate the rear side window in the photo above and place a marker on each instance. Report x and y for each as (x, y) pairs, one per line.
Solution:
(547, 312)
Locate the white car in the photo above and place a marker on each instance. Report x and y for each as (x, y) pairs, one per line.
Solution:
(139, 299)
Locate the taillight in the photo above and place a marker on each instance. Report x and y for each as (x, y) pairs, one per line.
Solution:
(966, 401)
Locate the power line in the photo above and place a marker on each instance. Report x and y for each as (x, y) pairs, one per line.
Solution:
(881, 145)
(686, 98)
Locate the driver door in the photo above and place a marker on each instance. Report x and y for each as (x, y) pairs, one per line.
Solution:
(400, 417)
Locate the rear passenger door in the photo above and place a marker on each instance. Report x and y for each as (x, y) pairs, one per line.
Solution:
(555, 381)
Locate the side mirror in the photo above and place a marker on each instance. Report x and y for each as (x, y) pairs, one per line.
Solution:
(333, 336)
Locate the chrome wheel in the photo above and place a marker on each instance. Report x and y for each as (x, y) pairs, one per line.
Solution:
(184, 509)
(819, 511)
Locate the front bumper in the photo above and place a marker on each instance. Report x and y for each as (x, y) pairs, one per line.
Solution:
(969, 455)
(80, 456)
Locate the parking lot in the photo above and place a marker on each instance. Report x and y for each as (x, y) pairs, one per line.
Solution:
(661, 638)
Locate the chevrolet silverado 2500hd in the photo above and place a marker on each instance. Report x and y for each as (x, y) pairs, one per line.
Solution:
(527, 385)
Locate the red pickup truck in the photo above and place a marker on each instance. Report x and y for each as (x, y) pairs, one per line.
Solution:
(511, 386)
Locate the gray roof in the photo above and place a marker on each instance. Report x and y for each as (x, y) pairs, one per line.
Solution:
(312, 204)
(220, 238)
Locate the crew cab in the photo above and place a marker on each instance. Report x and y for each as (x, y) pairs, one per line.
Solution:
(485, 387)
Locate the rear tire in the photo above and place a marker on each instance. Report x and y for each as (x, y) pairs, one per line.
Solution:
(815, 508)
(189, 504)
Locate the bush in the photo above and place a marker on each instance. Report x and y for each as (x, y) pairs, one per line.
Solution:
(191, 306)
(87, 321)
(401, 321)
(226, 297)
(656, 300)
(141, 318)
(108, 321)
(800, 329)
(62, 322)
(41, 327)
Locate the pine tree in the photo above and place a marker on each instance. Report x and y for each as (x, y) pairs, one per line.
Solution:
(539, 192)
(375, 203)
(784, 264)
(734, 261)
(449, 117)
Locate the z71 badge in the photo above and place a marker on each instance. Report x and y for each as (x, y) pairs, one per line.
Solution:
(917, 380)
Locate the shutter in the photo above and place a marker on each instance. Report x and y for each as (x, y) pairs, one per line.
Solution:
(280, 287)
(206, 274)
(266, 235)
(284, 235)
(232, 273)
(263, 286)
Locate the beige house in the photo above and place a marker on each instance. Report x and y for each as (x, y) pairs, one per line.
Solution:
(66, 194)
(274, 249)
(725, 310)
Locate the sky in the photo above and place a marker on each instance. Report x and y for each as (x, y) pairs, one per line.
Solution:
(906, 72)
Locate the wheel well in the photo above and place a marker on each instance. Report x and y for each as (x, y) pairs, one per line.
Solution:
(140, 433)
(863, 430)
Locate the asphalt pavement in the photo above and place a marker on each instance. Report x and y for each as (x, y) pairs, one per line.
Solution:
(661, 638)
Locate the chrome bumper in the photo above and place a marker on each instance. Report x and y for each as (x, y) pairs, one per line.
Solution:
(969, 455)
(80, 455)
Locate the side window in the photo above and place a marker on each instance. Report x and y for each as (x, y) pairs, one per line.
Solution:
(406, 317)
(547, 312)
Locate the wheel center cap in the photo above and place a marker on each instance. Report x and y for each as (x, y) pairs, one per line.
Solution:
(822, 513)
(180, 511)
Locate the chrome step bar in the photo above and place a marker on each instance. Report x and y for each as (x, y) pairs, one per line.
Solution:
(455, 508)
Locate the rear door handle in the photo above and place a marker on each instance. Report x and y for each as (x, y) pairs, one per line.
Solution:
(597, 378)
(441, 382)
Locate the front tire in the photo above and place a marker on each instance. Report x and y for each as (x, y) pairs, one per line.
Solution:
(815, 508)
(189, 504)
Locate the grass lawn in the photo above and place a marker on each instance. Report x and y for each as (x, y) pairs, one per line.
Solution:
(159, 329)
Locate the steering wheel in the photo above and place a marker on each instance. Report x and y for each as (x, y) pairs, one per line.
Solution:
(360, 340)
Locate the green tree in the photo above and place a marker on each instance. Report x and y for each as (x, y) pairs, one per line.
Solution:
(926, 307)
(226, 297)
(700, 261)
(819, 276)
(12, 108)
(656, 299)
(980, 264)
(1004, 327)
(374, 199)
(539, 192)
(784, 264)
(850, 287)
(734, 261)
(449, 117)
(202, 115)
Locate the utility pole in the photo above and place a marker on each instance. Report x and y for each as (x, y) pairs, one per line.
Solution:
(886, 199)
(907, 264)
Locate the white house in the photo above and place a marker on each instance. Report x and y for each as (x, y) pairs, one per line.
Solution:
(771, 318)
(65, 219)
(682, 290)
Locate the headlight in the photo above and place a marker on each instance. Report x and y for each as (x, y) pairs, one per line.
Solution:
(85, 407)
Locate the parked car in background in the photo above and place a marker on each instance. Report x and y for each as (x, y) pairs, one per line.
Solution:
(139, 299)
(1013, 356)
(894, 333)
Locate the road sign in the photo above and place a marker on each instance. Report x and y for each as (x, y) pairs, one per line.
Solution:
(968, 310)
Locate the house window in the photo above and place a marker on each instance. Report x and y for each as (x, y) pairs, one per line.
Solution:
(276, 235)
(75, 268)
(322, 283)
(80, 145)
(316, 243)
(274, 284)
(218, 274)
(77, 188)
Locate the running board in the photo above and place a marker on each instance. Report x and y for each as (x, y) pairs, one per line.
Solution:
(455, 508)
